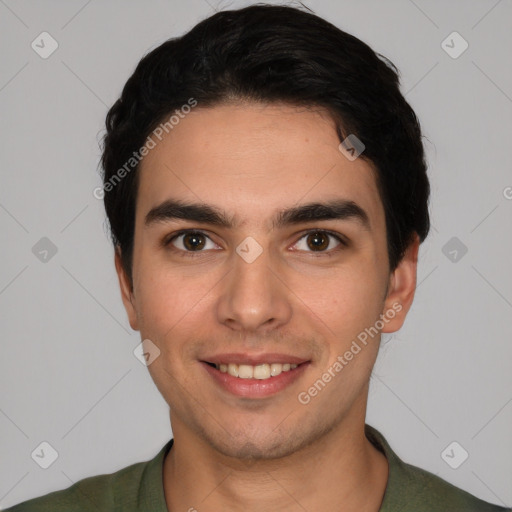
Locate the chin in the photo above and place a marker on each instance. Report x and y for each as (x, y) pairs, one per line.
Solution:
(252, 451)
(249, 445)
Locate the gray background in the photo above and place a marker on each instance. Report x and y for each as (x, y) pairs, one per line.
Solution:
(68, 375)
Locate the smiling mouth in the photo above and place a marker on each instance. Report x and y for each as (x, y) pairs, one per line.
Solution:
(261, 371)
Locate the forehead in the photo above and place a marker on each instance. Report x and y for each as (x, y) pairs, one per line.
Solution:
(252, 160)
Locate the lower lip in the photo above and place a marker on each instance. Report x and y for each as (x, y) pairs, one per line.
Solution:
(255, 388)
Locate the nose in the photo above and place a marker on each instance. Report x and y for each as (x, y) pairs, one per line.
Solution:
(254, 296)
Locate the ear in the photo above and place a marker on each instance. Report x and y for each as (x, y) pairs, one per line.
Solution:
(126, 291)
(401, 288)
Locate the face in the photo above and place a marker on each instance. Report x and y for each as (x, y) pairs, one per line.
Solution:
(259, 287)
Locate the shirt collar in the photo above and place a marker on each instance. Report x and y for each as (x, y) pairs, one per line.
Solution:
(397, 475)
(151, 491)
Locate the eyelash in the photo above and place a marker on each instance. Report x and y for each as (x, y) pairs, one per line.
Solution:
(192, 254)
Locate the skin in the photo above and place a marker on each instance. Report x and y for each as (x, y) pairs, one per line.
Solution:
(233, 453)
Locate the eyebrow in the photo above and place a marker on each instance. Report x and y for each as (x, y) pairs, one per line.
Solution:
(337, 209)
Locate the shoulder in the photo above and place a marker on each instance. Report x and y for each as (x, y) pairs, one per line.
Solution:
(92, 493)
(430, 493)
(106, 492)
(412, 488)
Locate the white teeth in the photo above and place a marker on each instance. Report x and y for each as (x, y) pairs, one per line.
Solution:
(276, 369)
(245, 371)
(260, 371)
(233, 369)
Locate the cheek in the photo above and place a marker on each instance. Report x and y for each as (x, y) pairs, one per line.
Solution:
(171, 315)
(164, 292)
(175, 310)
(345, 298)
(345, 309)
(163, 300)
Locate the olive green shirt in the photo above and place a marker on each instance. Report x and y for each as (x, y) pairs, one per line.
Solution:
(139, 487)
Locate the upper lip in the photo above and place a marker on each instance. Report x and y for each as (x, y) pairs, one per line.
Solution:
(254, 359)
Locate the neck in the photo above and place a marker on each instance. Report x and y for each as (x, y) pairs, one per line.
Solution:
(341, 467)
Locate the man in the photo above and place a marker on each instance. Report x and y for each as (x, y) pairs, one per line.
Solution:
(266, 188)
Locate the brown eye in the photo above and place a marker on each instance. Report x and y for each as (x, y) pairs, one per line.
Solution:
(320, 241)
(190, 242)
(193, 241)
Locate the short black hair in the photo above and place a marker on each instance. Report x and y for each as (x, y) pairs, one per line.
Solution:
(282, 54)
